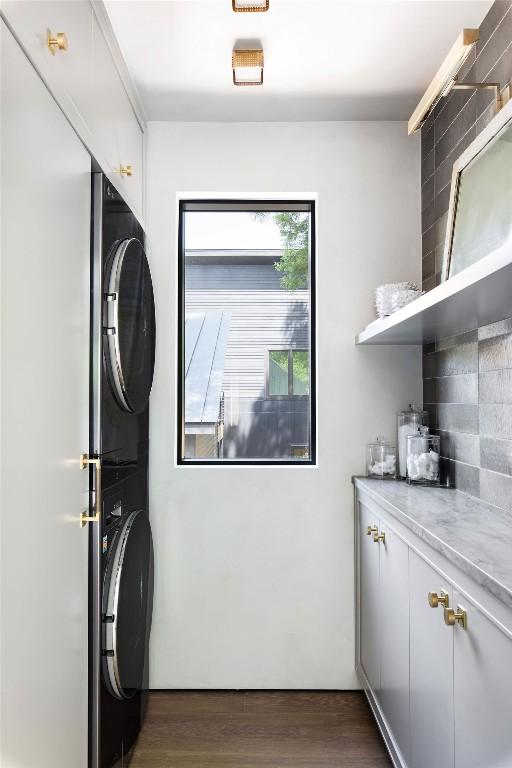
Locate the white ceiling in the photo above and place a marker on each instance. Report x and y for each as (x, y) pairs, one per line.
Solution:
(324, 59)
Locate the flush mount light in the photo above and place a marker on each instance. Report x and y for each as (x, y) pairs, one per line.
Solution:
(250, 6)
(247, 67)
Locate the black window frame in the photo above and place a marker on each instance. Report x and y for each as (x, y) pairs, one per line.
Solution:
(247, 204)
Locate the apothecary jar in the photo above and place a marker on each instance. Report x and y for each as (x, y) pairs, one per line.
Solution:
(381, 459)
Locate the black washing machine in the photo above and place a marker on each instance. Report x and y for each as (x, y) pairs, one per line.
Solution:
(126, 610)
(121, 551)
(123, 323)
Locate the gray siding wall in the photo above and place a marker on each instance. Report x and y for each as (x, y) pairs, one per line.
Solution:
(468, 379)
(262, 316)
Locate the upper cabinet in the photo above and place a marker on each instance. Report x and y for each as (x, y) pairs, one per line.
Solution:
(72, 48)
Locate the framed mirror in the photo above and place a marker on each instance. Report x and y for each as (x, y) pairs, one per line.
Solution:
(480, 211)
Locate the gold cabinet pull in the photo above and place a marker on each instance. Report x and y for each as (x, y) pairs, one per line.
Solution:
(85, 461)
(459, 616)
(371, 529)
(438, 598)
(126, 170)
(379, 537)
(57, 42)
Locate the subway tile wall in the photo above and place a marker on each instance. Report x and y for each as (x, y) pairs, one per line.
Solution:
(468, 378)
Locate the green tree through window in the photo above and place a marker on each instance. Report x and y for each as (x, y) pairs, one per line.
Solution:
(294, 263)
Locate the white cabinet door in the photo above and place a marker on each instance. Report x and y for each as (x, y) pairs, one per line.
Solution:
(431, 670)
(369, 598)
(394, 637)
(45, 193)
(68, 73)
(114, 124)
(482, 691)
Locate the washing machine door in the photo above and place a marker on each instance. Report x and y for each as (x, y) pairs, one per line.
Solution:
(128, 606)
(130, 330)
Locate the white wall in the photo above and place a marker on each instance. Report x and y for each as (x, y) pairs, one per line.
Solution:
(254, 566)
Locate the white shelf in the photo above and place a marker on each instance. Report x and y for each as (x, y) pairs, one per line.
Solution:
(479, 295)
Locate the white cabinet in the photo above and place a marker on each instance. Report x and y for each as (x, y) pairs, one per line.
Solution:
(394, 636)
(441, 691)
(431, 654)
(384, 622)
(67, 73)
(45, 249)
(369, 597)
(86, 83)
(113, 123)
(482, 689)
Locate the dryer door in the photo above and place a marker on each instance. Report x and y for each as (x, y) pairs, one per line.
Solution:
(128, 606)
(130, 315)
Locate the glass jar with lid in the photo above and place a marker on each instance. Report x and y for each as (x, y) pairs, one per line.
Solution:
(423, 451)
(381, 459)
(409, 422)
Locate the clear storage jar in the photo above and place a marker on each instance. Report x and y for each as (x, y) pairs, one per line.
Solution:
(381, 460)
(408, 424)
(423, 458)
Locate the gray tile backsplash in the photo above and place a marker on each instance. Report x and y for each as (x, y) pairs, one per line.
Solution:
(468, 379)
(467, 389)
(495, 454)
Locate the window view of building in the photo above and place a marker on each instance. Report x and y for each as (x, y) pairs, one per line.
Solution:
(246, 324)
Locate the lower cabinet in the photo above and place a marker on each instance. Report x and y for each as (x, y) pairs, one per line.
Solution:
(394, 636)
(482, 677)
(369, 604)
(436, 663)
(431, 651)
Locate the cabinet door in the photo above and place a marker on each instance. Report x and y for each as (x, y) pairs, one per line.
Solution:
(45, 194)
(431, 670)
(394, 637)
(68, 73)
(482, 691)
(369, 599)
(114, 124)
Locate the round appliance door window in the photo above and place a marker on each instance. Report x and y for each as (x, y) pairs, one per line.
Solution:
(130, 326)
(128, 606)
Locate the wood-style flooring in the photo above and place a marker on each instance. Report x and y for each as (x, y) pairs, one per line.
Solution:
(201, 729)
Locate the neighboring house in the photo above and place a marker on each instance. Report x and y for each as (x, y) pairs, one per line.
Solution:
(205, 347)
(265, 377)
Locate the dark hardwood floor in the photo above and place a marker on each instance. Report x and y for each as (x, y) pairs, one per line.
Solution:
(201, 729)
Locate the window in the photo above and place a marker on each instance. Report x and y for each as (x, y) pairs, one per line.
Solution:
(288, 373)
(246, 353)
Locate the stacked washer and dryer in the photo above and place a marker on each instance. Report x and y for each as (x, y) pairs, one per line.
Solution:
(121, 550)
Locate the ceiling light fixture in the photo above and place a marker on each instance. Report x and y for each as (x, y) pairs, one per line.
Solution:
(250, 6)
(446, 78)
(247, 67)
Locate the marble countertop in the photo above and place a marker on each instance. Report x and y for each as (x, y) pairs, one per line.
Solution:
(475, 536)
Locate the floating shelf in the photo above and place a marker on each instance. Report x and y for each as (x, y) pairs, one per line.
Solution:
(479, 295)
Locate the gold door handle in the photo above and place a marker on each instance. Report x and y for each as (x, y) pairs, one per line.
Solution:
(379, 537)
(85, 461)
(438, 598)
(459, 616)
(371, 529)
(57, 42)
(126, 170)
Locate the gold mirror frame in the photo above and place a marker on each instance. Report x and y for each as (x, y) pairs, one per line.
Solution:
(489, 134)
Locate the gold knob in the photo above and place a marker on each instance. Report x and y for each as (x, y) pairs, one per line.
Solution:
(371, 529)
(57, 42)
(379, 537)
(459, 616)
(126, 170)
(441, 598)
